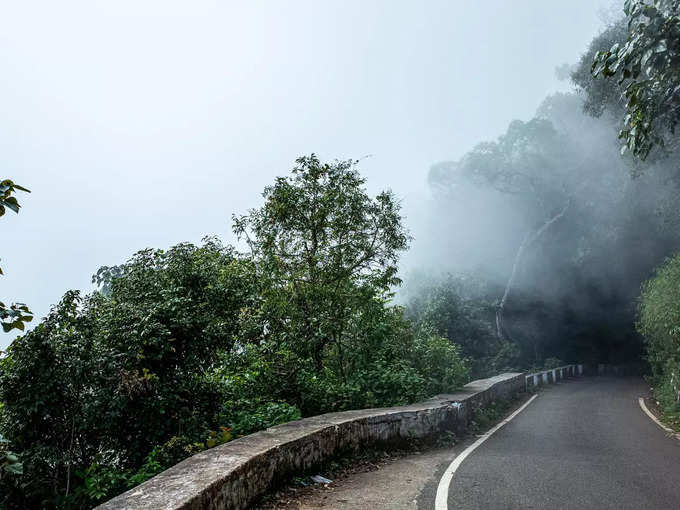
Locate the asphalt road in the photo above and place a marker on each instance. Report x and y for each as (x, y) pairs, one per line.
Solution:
(583, 444)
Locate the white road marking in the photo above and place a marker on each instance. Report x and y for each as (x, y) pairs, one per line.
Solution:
(643, 406)
(441, 500)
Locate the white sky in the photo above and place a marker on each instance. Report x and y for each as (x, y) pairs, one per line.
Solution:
(146, 123)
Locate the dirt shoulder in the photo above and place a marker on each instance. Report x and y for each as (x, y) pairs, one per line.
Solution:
(394, 483)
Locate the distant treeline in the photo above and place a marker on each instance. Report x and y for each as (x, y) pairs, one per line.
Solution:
(543, 237)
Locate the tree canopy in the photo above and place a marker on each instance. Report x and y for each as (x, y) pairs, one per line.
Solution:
(647, 68)
(326, 248)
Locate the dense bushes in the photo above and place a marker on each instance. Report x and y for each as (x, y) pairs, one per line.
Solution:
(105, 378)
(185, 349)
(659, 323)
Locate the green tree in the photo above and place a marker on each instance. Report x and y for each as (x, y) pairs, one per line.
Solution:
(324, 335)
(165, 320)
(647, 66)
(323, 248)
(103, 380)
(50, 382)
(526, 162)
(12, 317)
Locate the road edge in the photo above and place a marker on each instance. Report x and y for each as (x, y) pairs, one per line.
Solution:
(667, 429)
(442, 498)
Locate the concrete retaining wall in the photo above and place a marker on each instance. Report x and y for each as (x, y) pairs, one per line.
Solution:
(233, 475)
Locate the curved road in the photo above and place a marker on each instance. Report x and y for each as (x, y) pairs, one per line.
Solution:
(584, 444)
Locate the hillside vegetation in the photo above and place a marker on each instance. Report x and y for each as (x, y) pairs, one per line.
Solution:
(188, 348)
(535, 252)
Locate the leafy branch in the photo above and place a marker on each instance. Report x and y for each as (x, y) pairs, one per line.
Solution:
(15, 315)
(648, 69)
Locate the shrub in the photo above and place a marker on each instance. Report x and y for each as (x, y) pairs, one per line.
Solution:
(252, 416)
(659, 324)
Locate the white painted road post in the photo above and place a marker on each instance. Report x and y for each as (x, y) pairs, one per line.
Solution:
(545, 377)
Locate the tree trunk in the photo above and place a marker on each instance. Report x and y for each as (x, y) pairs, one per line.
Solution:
(529, 239)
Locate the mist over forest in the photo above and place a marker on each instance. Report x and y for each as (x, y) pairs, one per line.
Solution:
(554, 215)
(550, 243)
(575, 290)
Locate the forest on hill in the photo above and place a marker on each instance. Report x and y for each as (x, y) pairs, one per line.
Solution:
(555, 242)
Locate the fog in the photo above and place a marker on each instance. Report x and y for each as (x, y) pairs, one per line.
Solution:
(558, 228)
(146, 124)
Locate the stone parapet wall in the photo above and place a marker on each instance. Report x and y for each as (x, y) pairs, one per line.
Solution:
(234, 475)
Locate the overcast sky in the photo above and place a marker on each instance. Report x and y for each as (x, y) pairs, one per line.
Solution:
(147, 123)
